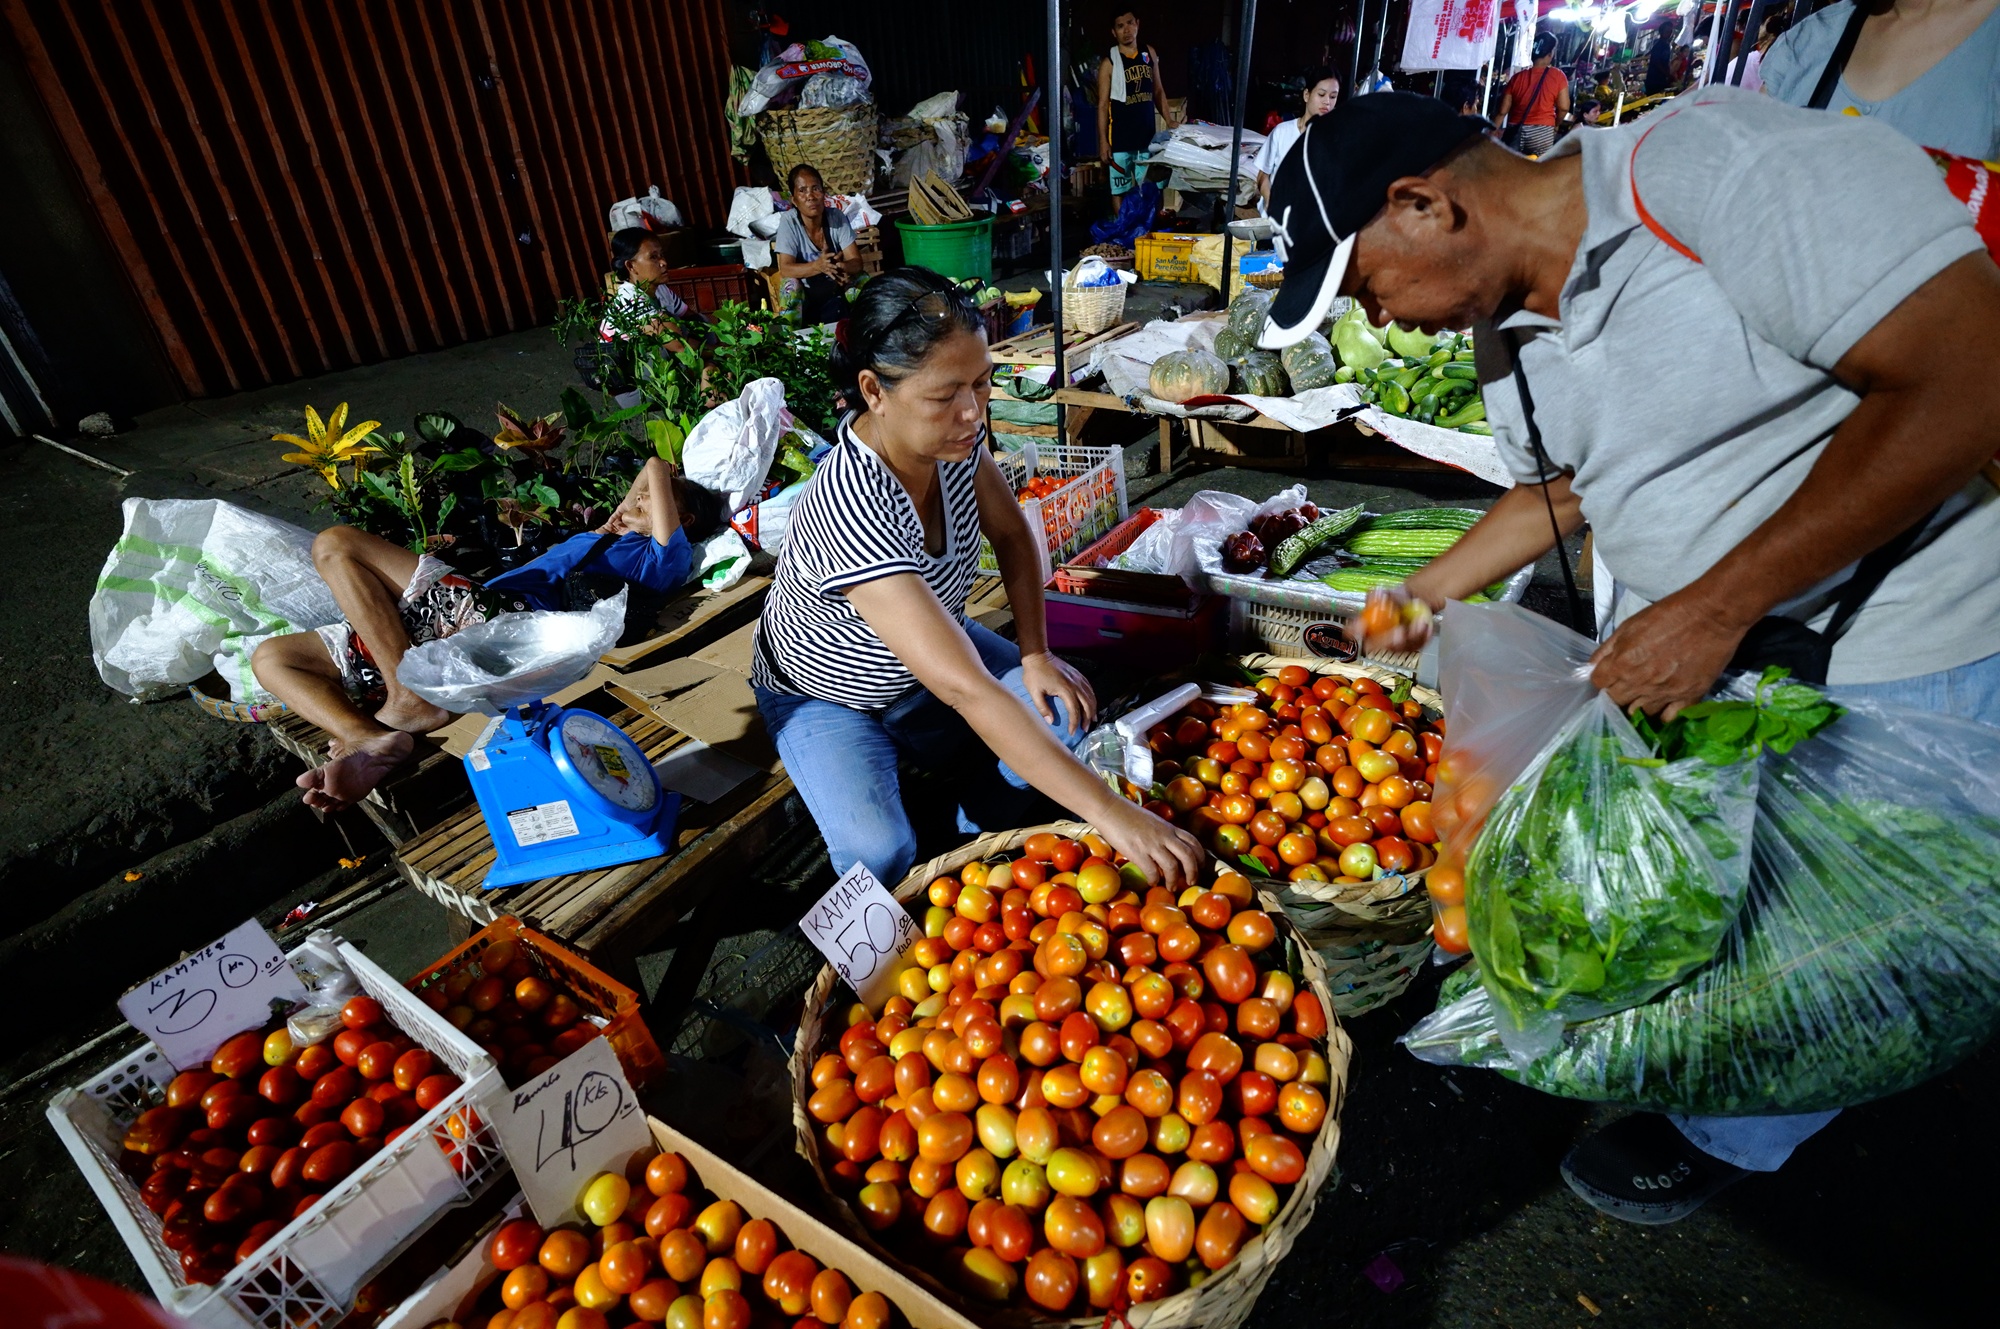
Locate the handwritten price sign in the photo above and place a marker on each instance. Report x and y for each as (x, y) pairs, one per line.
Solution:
(563, 1127)
(190, 1008)
(859, 927)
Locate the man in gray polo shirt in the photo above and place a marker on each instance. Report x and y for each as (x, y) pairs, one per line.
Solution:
(1759, 344)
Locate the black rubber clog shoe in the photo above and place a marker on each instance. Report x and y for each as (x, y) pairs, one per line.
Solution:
(1643, 1170)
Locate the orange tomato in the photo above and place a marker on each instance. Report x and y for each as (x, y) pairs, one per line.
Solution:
(1448, 929)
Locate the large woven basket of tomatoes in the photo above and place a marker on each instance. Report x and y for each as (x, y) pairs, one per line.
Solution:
(1324, 783)
(1048, 1119)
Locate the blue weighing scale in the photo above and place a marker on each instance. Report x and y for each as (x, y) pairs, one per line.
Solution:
(566, 791)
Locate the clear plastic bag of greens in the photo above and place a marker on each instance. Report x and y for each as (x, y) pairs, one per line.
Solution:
(1596, 874)
(1604, 876)
(1866, 958)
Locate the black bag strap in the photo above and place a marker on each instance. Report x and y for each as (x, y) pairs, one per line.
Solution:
(1577, 619)
(1871, 571)
(1533, 95)
(1836, 64)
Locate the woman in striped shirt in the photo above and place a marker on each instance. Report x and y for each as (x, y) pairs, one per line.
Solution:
(864, 654)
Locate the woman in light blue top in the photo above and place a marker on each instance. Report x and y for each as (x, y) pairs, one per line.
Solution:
(1930, 69)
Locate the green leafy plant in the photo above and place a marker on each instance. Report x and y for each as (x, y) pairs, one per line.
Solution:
(411, 488)
(1780, 716)
(521, 502)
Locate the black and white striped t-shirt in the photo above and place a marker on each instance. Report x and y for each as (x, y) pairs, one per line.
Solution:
(855, 523)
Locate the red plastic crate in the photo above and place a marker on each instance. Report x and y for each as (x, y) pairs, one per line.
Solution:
(708, 289)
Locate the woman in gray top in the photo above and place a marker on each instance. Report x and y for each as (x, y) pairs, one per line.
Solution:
(1930, 69)
(817, 256)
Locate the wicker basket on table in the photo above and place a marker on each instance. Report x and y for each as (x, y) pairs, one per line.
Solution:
(1092, 309)
(836, 141)
(1372, 936)
(1225, 1298)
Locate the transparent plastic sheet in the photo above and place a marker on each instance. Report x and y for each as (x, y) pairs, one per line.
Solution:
(1596, 880)
(513, 659)
(1865, 961)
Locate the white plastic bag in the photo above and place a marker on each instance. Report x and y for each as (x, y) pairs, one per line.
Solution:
(779, 83)
(855, 208)
(731, 449)
(1212, 516)
(651, 212)
(513, 659)
(753, 213)
(725, 559)
(194, 585)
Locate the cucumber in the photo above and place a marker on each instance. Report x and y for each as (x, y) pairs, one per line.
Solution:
(1425, 519)
(1293, 549)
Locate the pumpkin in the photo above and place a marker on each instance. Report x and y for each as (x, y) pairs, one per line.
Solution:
(1260, 374)
(1184, 375)
(1229, 347)
(1310, 363)
(1246, 314)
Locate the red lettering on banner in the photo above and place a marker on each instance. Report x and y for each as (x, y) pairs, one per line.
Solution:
(1477, 21)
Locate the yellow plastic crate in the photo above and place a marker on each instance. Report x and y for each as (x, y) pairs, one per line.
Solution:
(1167, 256)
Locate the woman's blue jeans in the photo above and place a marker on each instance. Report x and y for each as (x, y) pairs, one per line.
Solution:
(1762, 1144)
(844, 763)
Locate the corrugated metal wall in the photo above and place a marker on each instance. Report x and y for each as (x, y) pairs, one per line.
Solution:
(294, 186)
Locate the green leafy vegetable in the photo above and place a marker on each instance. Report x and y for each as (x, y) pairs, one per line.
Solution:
(1779, 716)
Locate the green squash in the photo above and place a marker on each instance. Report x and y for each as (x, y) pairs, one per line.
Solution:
(1260, 374)
(1310, 363)
(1229, 347)
(1184, 375)
(1247, 312)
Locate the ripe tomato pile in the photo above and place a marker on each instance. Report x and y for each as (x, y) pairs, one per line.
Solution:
(1321, 779)
(651, 1257)
(525, 1021)
(1082, 1093)
(244, 1147)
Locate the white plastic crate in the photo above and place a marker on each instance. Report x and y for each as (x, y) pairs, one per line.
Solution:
(1280, 629)
(306, 1276)
(1089, 504)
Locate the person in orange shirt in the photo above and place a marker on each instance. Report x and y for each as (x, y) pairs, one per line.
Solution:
(1536, 101)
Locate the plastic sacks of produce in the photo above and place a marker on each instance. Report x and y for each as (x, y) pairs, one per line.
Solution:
(1865, 960)
(513, 659)
(796, 69)
(197, 584)
(1598, 875)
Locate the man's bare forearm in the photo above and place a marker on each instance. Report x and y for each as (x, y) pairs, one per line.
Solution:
(1513, 534)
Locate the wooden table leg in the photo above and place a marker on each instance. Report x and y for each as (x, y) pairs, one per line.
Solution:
(1166, 445)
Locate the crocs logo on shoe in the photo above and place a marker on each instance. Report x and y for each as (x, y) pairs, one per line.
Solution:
(1665, 1181)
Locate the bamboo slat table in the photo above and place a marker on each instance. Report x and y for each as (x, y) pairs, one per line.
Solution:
(611, 914)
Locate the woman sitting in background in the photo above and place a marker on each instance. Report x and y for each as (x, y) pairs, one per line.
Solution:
(643, 303)
(816, 249)
(1322, 93)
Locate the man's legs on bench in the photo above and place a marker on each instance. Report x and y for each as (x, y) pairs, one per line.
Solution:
(368, 576)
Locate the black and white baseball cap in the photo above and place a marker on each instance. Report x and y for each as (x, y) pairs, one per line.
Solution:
(1334, 181)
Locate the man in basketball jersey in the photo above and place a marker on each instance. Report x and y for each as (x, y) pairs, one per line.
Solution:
(1128, 92)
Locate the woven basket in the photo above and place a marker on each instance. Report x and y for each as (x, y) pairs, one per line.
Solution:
(240, 712)
(836, 141)
(1225, 1299)
(1362, 931)
(1090, 309)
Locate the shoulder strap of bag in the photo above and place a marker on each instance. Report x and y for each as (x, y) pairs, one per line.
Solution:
(1836, 64)
(1577, 618)
(1871, 571)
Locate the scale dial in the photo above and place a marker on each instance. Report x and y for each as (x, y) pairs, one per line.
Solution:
(607, 761)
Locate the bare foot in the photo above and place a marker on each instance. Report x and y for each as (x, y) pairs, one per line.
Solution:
(348, 778)
(413, 715)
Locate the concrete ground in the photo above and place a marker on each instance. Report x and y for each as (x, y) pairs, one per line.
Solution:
(1447, 1190)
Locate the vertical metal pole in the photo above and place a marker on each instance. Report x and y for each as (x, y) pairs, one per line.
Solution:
(1714, 42)
(1052, 76)
(1718, 59)
(1486, 92)
(1245, 32)
(1360, 30)
(1750, 27)
(1381, 31)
